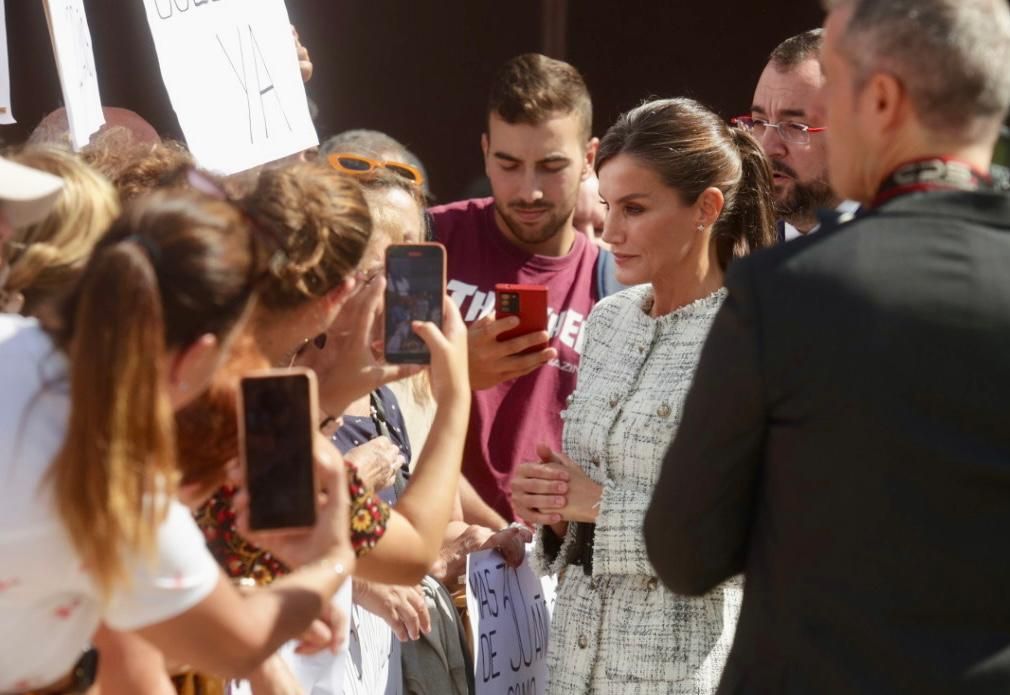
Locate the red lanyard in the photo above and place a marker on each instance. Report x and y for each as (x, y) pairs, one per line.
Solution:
(932, 174)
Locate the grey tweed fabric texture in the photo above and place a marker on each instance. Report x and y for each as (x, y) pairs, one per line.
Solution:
(620, 630)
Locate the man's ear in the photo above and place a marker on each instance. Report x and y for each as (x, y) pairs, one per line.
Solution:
(592, 147)
(886, 101)
(485, 148)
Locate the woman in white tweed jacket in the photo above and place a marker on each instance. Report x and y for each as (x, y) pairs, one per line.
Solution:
(685, 194)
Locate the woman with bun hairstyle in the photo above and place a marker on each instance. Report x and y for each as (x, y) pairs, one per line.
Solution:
(90, 530)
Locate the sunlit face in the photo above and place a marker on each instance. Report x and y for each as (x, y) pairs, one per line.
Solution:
(193, 367)
(535, 172)
(800, 170)
(650, 229)
(848, 150)
(396, 216)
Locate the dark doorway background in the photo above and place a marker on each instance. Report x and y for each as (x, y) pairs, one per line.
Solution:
(419, 70)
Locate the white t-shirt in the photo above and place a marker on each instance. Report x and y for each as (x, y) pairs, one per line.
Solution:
(49, 607)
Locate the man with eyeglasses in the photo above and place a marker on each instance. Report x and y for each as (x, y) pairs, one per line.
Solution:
(787, 118)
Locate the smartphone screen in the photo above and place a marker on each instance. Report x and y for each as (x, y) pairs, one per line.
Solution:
(278, 420)
(415, 287)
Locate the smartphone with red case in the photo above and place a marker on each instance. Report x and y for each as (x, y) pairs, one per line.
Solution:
(529, 303)
(278, 416)
(415, 289)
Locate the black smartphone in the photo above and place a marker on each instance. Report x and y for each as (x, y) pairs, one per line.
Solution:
(415, 288)
(277, 421)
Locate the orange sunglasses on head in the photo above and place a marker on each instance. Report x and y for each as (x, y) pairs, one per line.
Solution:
(359, 166)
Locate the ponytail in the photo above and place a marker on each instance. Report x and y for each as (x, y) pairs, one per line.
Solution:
(747, 222)
(115, 474)
(172, 268)
(692, 149)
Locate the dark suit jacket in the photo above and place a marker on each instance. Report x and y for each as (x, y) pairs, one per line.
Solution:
(846, 444)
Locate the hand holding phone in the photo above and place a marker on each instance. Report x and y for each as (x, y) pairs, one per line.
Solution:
(330, 537)
(278, 417)
(415, 288)
(450, 379)
(529, 303)
(346, 366)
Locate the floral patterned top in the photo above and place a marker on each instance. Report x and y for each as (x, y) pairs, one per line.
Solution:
(241, 559)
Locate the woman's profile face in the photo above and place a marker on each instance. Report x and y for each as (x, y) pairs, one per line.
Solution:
(651, 231)
(397, 218)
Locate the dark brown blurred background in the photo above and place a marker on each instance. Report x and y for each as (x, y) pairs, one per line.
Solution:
(419, 70)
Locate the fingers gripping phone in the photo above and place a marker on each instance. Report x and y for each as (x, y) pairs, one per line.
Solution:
(529, 303)
(415, 288)
(277, 419)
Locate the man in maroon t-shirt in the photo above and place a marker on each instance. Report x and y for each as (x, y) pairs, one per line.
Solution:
(538, 148)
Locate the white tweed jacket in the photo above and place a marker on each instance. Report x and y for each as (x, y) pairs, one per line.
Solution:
(620, 630)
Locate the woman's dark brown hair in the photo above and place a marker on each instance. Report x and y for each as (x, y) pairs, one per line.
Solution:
(320, 222)
(173, 267)
(692, 149)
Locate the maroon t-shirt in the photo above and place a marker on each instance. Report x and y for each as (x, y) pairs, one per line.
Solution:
(509, 420)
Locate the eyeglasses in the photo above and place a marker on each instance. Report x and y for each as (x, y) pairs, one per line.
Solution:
(796, 133)
(361, 166)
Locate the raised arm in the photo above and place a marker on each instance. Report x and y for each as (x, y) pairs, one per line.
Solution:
(228, 633)
(417, 525)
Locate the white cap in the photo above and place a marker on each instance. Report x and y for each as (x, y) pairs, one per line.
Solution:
(26, 195)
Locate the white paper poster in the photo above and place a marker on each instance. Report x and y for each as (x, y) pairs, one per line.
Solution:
(321, 673)
(6, 113)
(510, 618)
(75, 62)
(232, 74)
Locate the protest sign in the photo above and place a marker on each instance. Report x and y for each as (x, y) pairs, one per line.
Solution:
(6, 113)
(75, 62)
(322, 672)
(510, 621)
(232, 74)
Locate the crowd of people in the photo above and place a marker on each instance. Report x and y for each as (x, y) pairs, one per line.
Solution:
(763, 443)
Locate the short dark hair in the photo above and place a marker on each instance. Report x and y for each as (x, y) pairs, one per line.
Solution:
(532, 88)
(797, 49)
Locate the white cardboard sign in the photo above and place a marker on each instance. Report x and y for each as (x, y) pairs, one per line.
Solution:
(232, 74)
(6, 114)
(321, 673)
(510, 618)
(75, 62)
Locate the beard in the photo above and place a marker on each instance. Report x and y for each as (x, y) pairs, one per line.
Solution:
(799, 205)
(552, 223)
